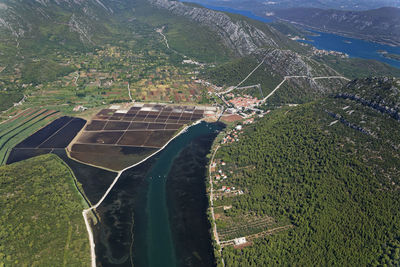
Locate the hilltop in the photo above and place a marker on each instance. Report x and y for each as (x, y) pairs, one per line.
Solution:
(329, 169)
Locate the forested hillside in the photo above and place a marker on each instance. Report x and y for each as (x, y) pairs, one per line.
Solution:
(330, 168)
(41, 219)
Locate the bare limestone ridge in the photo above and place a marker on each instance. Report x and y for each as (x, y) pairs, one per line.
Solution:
(239, 36)
(263, 43)
(20, 19)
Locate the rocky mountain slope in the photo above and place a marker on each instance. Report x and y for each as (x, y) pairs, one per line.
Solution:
(20, 19)
(238, 35)
(254, 43)
(380, 25)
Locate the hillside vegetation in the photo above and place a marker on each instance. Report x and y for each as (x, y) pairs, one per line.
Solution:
(41, 219)
(330, 168)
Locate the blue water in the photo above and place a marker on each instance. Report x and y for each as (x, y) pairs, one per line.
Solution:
(353, 47)
(328, 41)
(135, 226)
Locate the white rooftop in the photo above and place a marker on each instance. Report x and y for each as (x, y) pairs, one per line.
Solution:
(115, 107)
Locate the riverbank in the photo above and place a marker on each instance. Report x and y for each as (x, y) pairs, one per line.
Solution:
(86, 211)
(187, 201)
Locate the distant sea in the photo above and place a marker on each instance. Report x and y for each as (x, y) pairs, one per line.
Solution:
(329, 41)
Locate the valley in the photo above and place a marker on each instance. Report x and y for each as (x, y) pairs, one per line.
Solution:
(171, 134)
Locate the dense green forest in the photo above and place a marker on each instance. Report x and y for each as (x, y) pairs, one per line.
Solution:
(336, 183)
(41, 219)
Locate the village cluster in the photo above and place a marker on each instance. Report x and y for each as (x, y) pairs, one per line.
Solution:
(245, 101)
(220, 175)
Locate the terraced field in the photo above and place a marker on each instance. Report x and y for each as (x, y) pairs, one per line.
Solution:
(21, 126)
(230, 227)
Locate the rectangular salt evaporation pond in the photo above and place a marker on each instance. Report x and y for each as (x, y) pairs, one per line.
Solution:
(111, 157)
(147, 126)
(36, 139)
(56, 135)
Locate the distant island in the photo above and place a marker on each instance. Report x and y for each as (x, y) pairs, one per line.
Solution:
(386, 54)
(377, 25)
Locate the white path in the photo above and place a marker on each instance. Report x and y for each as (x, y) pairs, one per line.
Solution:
(160, 31)
(76, 79)
(86, 211)
(215, 232)
(279, 85)
(251, 73)
(212, 196)
(241, 88)
(273, 91)
(296, 77)
(331, 77)
(129, 92)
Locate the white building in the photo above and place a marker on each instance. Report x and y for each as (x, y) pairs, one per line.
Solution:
(239, 241)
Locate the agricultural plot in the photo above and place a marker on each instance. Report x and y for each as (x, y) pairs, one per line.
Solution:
(56, 135)
(230, 227)
(117, 138)
(20, 127)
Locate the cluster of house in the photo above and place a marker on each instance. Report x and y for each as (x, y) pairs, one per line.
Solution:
(79, 108)
(228, 189)
(245, 101)
(248, 121)
(192, 62)
(220, 174)
(320, 52)
(232, 136)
